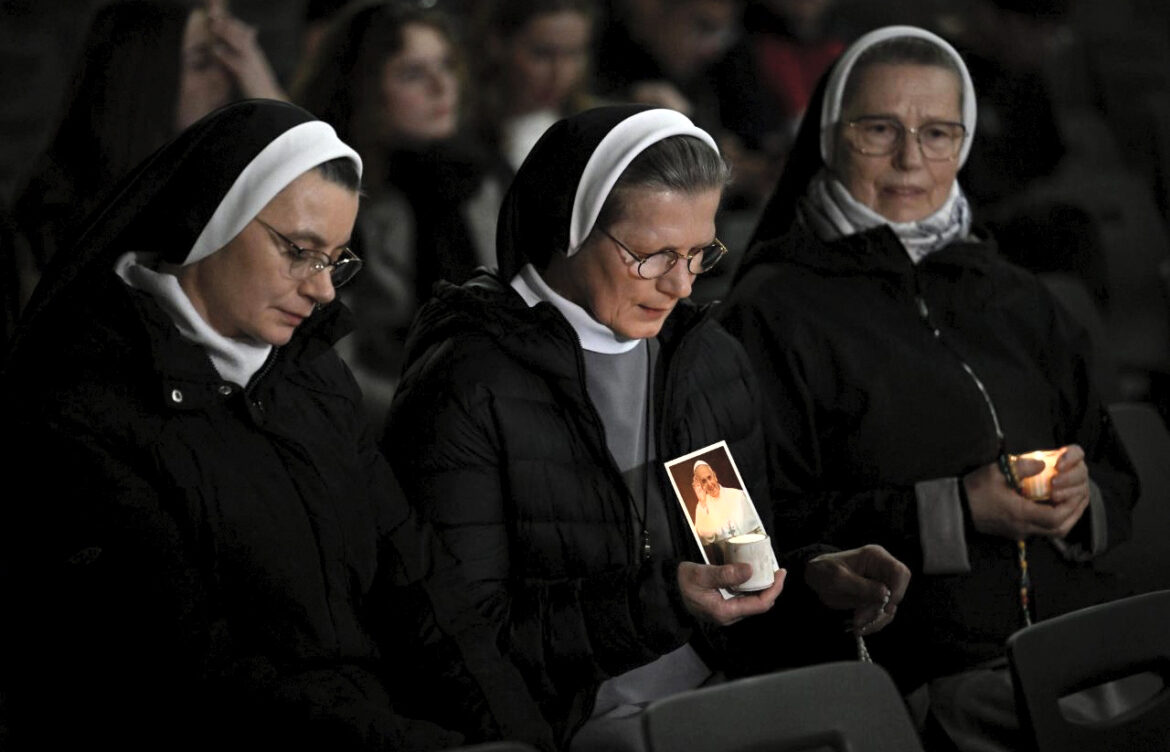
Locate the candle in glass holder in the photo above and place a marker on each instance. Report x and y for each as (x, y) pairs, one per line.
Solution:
(754, 549)
(1039, 486)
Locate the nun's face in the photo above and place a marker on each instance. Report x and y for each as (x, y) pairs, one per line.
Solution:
(245, 290)
(903, 186)
(602, 277)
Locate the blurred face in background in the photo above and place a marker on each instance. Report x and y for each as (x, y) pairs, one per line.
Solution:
(204, 84)
(547, 59)
(686, 36)
(420, 87)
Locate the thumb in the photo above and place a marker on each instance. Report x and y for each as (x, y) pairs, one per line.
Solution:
(727, 575)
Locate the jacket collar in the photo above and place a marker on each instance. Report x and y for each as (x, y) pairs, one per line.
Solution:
(183, 372)
(538, 336)
(873, 252)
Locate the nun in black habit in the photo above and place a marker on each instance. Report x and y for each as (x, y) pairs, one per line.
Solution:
(905, 363)
(212, 554)
(538, 404)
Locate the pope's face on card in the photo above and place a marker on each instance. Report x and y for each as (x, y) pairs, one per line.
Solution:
(705, 477)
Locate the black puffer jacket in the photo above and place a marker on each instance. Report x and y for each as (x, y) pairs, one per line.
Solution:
(861, 356)
(495, 441)
(200, 567)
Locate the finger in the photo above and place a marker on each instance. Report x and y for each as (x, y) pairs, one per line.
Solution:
(1026, 467)
(751, 604)
(1074, 475)
(724, 575)
(1052, 519)
(1073, 453)
(843, 589)
(878, 623)
(879, 564)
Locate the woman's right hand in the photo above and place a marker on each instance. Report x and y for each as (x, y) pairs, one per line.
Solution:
(997, 509)
(700, 585)
(238, 50)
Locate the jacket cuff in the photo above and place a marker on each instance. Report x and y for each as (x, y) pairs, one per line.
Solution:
(940, 526)
(1089, 537)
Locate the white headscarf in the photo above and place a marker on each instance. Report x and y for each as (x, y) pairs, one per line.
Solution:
(290, 154)
(828, 207)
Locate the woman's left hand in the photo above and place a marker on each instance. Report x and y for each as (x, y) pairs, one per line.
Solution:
(700, 584)
(868, 580)
(1070, 488)
(236, 48)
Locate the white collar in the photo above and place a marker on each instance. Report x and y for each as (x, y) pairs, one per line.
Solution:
(234, 360)
(593, 335)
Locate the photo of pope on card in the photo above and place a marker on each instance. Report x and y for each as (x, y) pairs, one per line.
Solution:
(721, 514)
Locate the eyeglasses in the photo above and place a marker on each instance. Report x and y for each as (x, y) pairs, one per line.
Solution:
(657, 264)
(304, 263)
(877, 136)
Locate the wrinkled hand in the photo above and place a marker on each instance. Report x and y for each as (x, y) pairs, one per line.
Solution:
(1070, 485)
(868, 580)
(997, 509)
(700, 585)
(236, 48)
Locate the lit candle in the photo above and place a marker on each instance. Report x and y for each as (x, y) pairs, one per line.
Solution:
(1039, 486)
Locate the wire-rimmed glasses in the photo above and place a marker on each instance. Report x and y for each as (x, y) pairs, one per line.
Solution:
(655, 265)
(304, 263)
(879, 136)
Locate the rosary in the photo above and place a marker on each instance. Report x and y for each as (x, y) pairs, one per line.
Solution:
(862, 650)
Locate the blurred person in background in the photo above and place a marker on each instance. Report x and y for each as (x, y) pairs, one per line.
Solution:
(533, 69)
(764, 84)
(389, 78)
(658, 52)
(147, 69)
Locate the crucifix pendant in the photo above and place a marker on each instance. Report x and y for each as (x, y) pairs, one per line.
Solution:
(645, 544)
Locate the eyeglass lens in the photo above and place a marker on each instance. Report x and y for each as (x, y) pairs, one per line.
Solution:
(881, 136)
(658, 264)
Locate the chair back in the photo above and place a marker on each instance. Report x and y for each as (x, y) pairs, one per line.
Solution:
(1083, 649)
(847, 706)
(1144, 560)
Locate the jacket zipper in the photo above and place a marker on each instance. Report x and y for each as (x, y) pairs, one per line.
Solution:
(924, 314)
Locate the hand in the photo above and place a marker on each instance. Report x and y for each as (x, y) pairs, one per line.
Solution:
(700, 494)
(235, 47)
(1070, 485)
(997, 509)
(700, 585)
(868, 580)
(661, 94)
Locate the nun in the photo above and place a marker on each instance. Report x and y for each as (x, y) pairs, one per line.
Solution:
(539, 402)
(907, 367)
(211, 554)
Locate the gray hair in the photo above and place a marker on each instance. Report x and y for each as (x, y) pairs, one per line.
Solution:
(677, 163)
